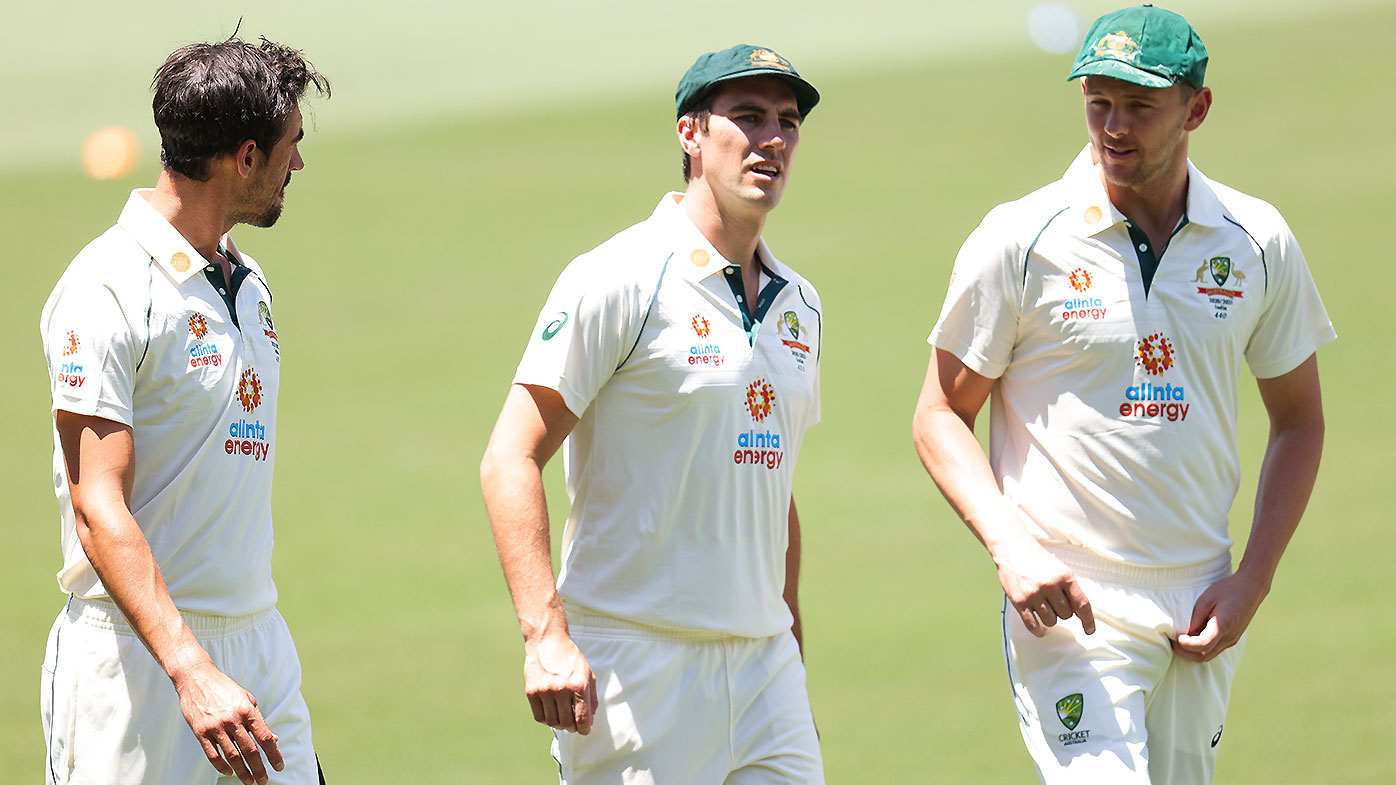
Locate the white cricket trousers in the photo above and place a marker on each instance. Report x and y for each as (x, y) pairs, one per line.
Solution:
(681, 708)
(111, 716)
(1118, 707)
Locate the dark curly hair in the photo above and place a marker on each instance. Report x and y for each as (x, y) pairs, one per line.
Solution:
(210, 98)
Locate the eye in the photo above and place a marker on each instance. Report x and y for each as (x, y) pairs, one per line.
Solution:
(789, 125)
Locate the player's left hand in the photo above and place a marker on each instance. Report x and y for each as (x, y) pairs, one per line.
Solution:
(1220, 617)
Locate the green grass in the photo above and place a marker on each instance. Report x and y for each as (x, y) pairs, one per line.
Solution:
(411, 264)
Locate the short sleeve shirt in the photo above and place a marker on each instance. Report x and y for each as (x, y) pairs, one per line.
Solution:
(690, 423)
(139, 331)
(1113, 423)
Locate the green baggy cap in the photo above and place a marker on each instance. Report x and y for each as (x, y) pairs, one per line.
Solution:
(737, 62)
(1144, 45)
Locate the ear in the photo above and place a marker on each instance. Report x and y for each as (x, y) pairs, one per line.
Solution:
(1198, 108)
(688, 136)
(244, 159)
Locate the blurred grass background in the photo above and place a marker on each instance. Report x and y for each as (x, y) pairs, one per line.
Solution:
(469, 152)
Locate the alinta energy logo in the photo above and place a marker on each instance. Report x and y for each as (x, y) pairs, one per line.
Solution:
(1079, 308)
(70, 373)
(248, 438)
(1149, 400)
(198, 326)
(250, 390)
(1069, 711)
(759, 448)
(704, 353)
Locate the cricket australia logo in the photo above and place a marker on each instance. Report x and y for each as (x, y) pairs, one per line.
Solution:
(249, 390)
(1069, 710)
(790, 323)
(768, 59)
(1221, 271)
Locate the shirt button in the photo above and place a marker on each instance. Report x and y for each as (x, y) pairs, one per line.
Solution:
(222, 290)
(729, 270)
(1143, 247)
(208, 269)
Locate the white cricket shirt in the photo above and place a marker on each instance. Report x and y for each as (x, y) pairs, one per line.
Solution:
(680, 466)
(137, 332)
(1113, 425)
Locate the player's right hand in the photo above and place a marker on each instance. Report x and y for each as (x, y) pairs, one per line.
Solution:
(228, 724)
(1041, 588)
(559, 683)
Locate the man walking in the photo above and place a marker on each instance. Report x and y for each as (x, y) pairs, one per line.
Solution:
(680, 361)
(1106, 316)
(164, 363)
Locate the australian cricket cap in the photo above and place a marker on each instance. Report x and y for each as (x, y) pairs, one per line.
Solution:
(1145, 45)
(738, 62)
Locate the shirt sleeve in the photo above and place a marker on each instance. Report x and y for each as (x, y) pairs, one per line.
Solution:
(585, 331)
(1293, 323)
(979, 320)
(91, 351)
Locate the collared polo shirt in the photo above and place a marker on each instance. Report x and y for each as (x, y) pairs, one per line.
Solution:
(1113, 423)
(140, 330)
(691, 419)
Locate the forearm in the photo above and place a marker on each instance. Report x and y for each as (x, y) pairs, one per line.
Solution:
(122, 558)
(1287, 478)
(518, 511)
(792, 577)
(957, 464)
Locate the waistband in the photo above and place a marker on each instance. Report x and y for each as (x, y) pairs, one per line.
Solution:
(105, 615)
(592, 623)
(1102, 570)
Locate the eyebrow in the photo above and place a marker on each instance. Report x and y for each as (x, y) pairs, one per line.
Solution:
(299, 135)
(784, 111)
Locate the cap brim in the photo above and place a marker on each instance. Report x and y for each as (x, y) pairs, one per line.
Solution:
(1122, 71)
(805, 95)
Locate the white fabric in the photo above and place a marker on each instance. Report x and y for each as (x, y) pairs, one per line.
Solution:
(134, 332)
(680, 466)
(1113, 425)
(111, 716)
(691, 709)
(1145, 716)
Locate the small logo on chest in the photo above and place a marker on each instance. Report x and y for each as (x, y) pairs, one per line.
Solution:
(1221, 272)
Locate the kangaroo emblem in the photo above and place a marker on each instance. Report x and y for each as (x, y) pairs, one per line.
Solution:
(1201, 271)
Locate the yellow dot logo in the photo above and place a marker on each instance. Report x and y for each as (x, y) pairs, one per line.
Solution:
(699, 258)
(1093, 215)
(180, 262)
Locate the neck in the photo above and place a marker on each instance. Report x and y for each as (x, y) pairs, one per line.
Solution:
(1156, 205)
(197, 210)
(734, 233)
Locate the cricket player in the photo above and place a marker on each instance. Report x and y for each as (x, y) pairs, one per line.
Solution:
(1106, 317)
(164, 362)
(679, 361)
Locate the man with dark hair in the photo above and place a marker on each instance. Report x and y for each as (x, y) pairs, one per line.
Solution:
(680, 361)
(164, 364)
(1108, 316)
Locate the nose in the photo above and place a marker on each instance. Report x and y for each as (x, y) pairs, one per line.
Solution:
(774, 135)
(1115, 124)
(297, 163)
